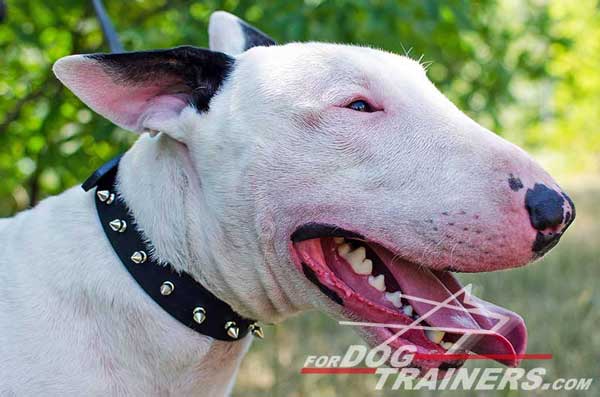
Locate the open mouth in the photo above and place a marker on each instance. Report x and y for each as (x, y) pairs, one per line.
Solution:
(405, 303)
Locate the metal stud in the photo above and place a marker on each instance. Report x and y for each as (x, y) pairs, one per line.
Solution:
(199, 314)
(103, 195)
(167, 288)
(118, 225)
(232, 329)
(257, 330)
(139, 257)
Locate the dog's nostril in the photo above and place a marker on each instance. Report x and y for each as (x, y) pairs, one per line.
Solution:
(545, 242)
(545, 207)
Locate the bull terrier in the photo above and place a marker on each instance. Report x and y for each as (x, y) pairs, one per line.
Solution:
(280, 178)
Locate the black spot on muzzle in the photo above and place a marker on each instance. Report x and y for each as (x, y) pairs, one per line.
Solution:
(515, 183)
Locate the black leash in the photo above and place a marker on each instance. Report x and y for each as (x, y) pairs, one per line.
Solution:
(110, 34)
(177, 293)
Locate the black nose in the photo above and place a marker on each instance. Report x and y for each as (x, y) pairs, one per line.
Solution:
(546, 208)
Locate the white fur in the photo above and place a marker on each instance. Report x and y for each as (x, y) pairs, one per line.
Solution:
(219, 197)
(225, 33)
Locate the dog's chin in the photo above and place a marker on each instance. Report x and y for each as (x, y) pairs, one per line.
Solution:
(402, 303)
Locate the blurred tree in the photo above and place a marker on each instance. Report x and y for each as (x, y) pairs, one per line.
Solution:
(574, 121)
(482, 51)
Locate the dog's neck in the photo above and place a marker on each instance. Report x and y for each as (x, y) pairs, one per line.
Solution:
(160, 185)
(155, 180)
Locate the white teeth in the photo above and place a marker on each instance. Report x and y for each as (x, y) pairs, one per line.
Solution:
(361, 265)
(356, 259)
(434, 335)
(377, 282)
(408, 310)
(394, 297)
(344, 249)
(356, 256)
(364, 268)
(447, 345)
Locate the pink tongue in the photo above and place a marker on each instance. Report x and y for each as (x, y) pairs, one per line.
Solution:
(512, 333)
(420, 282)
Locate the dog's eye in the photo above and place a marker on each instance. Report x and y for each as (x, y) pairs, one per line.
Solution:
(361, 106)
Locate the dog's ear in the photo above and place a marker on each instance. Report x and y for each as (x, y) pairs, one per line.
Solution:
(229, 34)
(145, 90)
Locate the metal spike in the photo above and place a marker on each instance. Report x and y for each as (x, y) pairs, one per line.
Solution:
(139, 257)
(199, 315)
(111, 198)
(257, 331)
(232, 330)
(118, 225)
(103, 195)
(167, 288)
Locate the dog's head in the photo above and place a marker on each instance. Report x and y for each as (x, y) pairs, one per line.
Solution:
(341, 178)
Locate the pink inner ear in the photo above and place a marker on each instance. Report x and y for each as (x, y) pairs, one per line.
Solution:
(126, 104)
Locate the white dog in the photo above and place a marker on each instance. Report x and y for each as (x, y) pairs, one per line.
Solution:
(282, 178)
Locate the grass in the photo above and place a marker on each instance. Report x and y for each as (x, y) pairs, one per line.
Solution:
(558, 296)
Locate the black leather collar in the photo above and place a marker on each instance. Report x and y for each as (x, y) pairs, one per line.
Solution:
(177, 293)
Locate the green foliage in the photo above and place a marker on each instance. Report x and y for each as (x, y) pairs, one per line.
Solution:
(574, 65)
(516, 67)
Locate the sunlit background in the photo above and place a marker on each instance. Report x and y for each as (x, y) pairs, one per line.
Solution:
(529, 70)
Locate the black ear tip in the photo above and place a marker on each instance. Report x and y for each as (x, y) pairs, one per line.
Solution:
(176, 61)
(233, 35)
(255, 37)
(187, 70)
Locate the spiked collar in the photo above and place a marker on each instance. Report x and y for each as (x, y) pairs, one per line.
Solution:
(177, 293)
